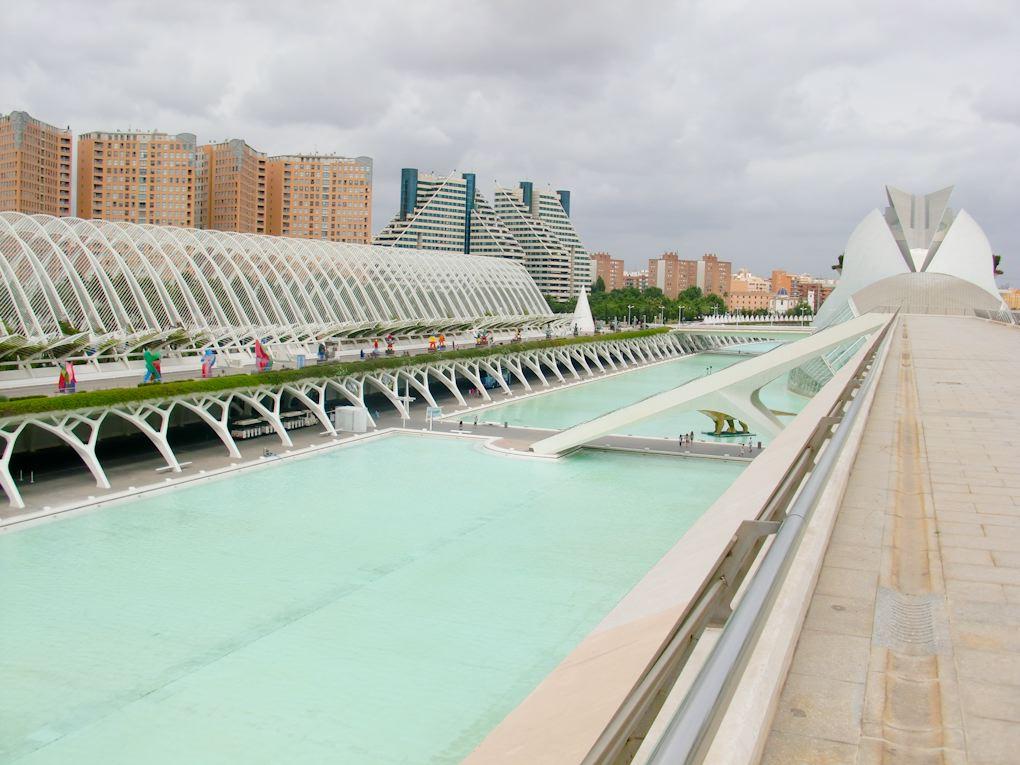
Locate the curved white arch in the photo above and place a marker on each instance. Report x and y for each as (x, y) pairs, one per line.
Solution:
(126, 281)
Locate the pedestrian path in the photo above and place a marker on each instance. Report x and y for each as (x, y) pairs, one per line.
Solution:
(910, 651)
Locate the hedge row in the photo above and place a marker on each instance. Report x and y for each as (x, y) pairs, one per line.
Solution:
(110, 396)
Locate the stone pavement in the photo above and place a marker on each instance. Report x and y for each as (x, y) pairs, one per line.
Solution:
(910, 652)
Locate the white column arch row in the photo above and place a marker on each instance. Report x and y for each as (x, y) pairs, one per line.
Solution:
(80, 430)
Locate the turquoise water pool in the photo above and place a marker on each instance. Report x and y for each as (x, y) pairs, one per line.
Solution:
(384, 603)
(568, 407)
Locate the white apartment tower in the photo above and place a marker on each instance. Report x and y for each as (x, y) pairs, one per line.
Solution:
(449, 214)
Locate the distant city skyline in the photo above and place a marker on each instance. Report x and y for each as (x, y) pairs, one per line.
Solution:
(762, 134)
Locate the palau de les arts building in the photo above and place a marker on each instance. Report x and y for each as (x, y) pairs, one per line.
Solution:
(525, 224)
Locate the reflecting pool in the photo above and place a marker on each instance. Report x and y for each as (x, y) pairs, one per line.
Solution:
(388, 603)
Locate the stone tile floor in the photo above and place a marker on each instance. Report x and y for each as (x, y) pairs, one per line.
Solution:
(910, 652)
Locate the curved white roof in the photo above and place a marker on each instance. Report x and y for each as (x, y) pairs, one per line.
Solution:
(119, 281)
(917, 235)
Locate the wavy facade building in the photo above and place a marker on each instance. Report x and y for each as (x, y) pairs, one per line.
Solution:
(450, 214)
(69, 284)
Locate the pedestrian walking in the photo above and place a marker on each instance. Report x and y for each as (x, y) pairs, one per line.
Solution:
(460, 425)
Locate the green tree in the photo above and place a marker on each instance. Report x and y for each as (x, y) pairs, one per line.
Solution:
(691, 294)
(599, 286)
(801, 309)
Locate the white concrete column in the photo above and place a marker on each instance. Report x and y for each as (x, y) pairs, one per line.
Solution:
(390, 392)
(302, 392)
(496, 372)
(513, 363)
(7, 481)
(272, 415)
(473, 376)
(450, 382)
(138, 415)
(532, 362)
(218, 423)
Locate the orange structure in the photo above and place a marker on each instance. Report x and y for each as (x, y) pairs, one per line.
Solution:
(320, 196)
(610, 269)
(139, 177)
(35, 166)
(636, 279)
(782, 281)
(231, 187)
(748, 292)
(714, 275)
(672, 275)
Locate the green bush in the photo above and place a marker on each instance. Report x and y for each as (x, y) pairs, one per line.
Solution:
(152, 391)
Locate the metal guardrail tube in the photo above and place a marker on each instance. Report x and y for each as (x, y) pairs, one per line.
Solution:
(689, 733)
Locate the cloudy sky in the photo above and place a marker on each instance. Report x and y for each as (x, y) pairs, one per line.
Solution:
(762, 131)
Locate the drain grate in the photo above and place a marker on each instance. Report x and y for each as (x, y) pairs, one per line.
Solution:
(910, 624)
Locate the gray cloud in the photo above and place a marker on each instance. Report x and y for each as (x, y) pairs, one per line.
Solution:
(760, 131)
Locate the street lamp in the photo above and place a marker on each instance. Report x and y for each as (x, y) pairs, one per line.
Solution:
(628, 313)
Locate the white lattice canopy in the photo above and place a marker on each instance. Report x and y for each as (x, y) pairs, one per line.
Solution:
(68, 282)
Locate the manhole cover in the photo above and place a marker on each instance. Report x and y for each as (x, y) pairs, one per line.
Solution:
(910, 624)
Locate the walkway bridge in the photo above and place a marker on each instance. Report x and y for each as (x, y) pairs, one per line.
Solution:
(734, 391)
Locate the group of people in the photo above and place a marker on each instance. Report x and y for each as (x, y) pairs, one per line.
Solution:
(686, 439)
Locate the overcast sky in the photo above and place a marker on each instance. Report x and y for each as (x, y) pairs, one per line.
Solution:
(761, 131)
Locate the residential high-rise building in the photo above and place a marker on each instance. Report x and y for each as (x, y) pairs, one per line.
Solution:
(319, 196)
(35, 166)
(673, 275)
(449, 214)
(714, 275)
(138, 177)
(553, 252)
(231, 187)
(610, 270)
(636, 279)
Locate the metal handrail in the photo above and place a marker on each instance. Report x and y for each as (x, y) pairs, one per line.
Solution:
(784, 515)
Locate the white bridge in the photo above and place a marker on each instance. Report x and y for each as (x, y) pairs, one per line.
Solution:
(734, 390)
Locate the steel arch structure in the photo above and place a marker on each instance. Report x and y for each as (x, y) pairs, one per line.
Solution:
(67, 284)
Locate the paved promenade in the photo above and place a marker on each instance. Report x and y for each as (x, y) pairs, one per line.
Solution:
(910, 652)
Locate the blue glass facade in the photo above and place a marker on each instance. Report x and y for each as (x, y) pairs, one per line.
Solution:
(564, 200)
(528, 188)
(408, 191)
(469, 204)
